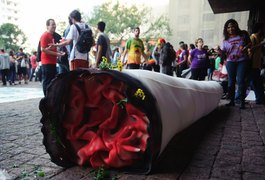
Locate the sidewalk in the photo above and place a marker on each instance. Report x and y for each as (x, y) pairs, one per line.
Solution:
(227, 144)
(19, 92)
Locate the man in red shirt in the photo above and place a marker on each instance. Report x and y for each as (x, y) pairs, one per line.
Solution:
(49, 54)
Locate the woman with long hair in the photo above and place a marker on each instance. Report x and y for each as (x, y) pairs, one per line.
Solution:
(234, 51)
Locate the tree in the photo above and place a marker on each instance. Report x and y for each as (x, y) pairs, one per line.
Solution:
(11, 37)
(121, 19)
(60, 27)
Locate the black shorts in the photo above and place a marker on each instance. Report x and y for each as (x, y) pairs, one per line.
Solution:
(22, 71)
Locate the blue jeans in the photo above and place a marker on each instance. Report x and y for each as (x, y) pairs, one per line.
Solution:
(237, 71)
(48, 73)
(12, 74)
(180, 68)
(167, 69)
(63, 68)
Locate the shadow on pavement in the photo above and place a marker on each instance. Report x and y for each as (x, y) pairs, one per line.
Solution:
(180, 150)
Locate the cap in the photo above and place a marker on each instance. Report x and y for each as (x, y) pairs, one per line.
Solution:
(161, 40)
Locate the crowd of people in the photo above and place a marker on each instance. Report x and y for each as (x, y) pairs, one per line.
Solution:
(240, 55)
(19, 67)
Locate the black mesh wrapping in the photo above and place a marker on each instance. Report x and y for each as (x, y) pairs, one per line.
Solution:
(53, 109)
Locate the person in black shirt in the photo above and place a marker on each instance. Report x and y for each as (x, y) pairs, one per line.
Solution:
(103, 44)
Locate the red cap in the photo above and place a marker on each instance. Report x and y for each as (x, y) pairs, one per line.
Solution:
(161, 40)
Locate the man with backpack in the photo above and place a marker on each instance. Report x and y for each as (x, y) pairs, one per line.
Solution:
(167, 57)
(81, 36)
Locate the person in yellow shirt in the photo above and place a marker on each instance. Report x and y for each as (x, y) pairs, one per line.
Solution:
(135, 50)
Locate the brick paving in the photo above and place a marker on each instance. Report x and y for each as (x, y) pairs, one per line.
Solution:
(229, 143)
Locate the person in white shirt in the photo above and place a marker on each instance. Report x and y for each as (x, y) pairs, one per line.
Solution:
(77, 59)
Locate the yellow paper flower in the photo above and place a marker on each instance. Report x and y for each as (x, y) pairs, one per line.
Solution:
(104, 65)
(140, 94)
(119, 65)
(104, 59)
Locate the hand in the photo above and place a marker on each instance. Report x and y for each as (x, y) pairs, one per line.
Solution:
(60, 54)
(53, 45)
(49, 47)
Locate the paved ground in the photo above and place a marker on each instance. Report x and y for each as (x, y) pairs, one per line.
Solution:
(227, 144)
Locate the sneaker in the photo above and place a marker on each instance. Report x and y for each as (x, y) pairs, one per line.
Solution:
(237, 101)
(19, 82)
(224, 96)
(231, 103)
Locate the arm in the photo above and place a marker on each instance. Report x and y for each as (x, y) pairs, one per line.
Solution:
(12, 59)
(48, 51)
(64, 43)
(127, 46)
(221, 53)
(256, 46)
(189, 59)
(123, 56)
(145, 56)
(69, 38)
(154, 54)
(99, 55)
(185, 58)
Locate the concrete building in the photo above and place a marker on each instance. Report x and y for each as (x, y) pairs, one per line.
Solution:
(9, 11)
(256, 9)
(190, 19)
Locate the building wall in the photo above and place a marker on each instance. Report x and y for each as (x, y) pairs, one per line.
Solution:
(9, 11)
(191, 19)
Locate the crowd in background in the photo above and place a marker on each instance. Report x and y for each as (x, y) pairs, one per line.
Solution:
(238, 61)
(19, 67)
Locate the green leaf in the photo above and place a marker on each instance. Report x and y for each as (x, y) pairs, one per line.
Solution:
(40, 173)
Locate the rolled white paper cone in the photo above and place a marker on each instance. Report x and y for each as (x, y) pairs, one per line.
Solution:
(180, 101)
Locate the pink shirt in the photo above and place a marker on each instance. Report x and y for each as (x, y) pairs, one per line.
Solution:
(33, 61)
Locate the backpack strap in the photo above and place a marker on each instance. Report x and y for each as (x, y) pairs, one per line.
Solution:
(78, 28)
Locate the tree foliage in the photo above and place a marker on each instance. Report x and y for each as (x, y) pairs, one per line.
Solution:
(60, 27)
(120, 19)
(11, 37)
